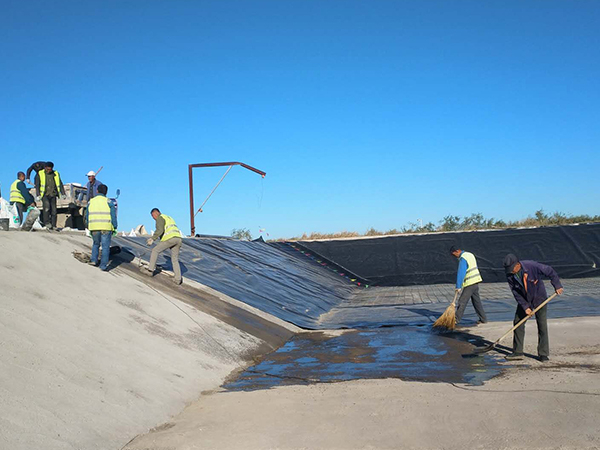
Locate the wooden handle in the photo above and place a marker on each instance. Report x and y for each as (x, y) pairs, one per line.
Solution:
(455, 296)
(524, 319)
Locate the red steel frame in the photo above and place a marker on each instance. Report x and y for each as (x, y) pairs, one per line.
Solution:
(191, 182)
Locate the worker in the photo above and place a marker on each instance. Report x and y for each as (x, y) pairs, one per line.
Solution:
(48, 187)
(525, 279)
(37, 166)
(92, 185)
(467, 282)
(170, 237)
(101, 219)
(20, 196)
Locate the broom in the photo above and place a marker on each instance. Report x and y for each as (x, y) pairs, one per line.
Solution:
(448, 320)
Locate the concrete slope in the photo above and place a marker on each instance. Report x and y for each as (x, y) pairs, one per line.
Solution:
(90, 359)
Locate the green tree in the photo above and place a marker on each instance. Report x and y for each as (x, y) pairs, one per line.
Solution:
(450, 223)
(242, 234)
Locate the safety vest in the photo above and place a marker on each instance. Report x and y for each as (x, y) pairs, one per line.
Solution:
(42, 175)
(171, 230)
(15, 193)
(472, 276)
(99, 214)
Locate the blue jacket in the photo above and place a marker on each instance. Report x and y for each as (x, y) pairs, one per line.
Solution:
(113, 213)
(532, 292)
(462, 271)
(25, 193)
(92, 189)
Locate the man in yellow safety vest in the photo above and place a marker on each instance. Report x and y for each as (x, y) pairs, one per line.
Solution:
(101, 219)
(20, 196)
(468, 279)
(170, 237)
(49, 186)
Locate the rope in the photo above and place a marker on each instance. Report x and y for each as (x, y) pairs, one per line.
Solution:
(522, 390)
(212, 192)
(233, 357)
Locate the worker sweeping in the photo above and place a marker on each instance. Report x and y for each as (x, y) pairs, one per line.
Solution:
(525, 279)
(468, 279)
(170, 237)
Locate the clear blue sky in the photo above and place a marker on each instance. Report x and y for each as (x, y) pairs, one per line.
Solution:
(362, 113)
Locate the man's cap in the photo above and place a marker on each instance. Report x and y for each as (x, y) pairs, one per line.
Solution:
(91, 173)
(454, 248)
(510, 261)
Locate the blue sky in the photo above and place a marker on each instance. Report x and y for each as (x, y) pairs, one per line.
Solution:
(362, 113)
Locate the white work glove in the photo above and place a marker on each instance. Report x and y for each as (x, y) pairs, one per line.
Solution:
(64, 197)
(28, 181)
(150, 241)
(38, 198)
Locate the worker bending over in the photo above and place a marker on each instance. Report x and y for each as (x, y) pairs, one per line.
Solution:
(170, 237)
(37, 167)
(20, 196)
(525, 279)
(468, 279)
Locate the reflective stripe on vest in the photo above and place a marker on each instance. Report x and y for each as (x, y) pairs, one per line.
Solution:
(42, 175)
(99, 214)
(472, 276)
(15, 193)
(171, 230)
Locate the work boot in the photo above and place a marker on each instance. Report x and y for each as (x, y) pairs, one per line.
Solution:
(514, 357)
(479, 322)
(146, 271)
(91, 263)
(544, 359)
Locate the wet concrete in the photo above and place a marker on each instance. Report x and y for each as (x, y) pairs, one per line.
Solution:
(409, 353)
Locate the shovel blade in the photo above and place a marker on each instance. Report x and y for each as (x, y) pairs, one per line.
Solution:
(487, 348)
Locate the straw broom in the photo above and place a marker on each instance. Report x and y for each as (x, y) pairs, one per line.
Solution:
(448, 319)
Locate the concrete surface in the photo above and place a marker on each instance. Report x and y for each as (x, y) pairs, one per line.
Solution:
(533, 405)
(89, 359)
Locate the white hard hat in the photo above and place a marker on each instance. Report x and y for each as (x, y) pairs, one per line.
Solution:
(91, 173)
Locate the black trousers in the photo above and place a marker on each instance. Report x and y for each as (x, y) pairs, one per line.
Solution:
(470, 292)
(20, 206)
(49, 205)
(542, 324)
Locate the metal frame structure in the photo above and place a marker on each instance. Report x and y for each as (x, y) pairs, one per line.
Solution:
(191, 184)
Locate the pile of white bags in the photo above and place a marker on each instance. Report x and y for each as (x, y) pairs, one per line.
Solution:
(8, 211)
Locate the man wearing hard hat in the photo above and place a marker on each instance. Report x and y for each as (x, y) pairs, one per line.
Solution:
(92, 185)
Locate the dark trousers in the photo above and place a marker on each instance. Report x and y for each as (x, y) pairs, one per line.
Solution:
(20, 206)
(470, 292)
(49, 205)
(542, 324)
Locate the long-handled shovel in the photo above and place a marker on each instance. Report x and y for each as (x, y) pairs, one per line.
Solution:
(521, 322)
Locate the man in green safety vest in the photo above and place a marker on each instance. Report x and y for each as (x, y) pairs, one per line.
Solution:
(49, 186)
(101, 219)
(20, 196)
(468, 279)
(170, 237)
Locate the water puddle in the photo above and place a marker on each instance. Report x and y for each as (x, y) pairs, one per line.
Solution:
(409, 353)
